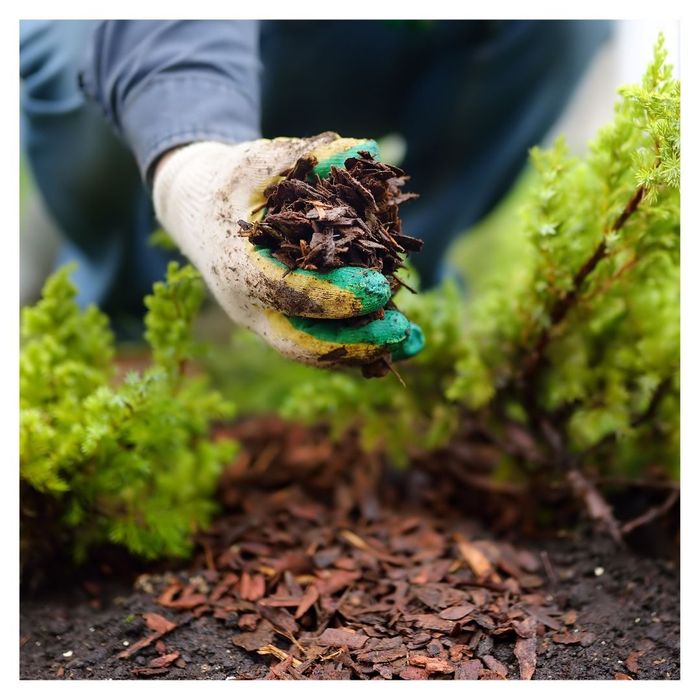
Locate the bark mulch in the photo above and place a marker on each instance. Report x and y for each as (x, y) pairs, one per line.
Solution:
(321, 571)
(349, 218)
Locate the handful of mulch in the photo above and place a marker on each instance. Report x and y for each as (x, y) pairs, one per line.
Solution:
(349, 218)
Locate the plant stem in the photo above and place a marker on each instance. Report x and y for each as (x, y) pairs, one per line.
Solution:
(652, 514)
(563, 305)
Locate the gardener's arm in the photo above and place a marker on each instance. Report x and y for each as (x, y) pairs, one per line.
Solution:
(167, 83)
(185, 97)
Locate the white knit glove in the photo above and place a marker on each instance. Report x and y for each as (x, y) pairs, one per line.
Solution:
(202, 190)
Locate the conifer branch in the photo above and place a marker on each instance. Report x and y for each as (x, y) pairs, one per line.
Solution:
(127, 461)
(564, 304)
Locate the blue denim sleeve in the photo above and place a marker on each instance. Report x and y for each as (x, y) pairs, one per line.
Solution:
(167, 83)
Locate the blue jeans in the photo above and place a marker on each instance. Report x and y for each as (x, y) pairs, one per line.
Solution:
(469, 98)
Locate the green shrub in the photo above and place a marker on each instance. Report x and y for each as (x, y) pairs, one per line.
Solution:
(576, 338)
(130, 461)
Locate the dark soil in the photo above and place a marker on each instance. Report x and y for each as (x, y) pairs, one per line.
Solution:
(632, 611)
(319, 572)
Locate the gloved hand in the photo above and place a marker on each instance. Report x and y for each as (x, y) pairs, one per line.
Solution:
(201, 191)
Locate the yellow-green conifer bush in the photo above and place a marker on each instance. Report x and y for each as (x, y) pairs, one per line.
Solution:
(576, 339)
(128, 462)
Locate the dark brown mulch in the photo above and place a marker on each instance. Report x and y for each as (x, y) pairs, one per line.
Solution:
(349, 218)
(323, 571)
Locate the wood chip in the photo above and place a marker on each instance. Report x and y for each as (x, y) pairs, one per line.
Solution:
(159, 624)
(457, 612)
(569, 617)
(307, 600)
(250, 641)
(474, 557)
(432, 622)
(380, 656)
(248, 622)
(338, 637)
(278, 653)
(526, 653)
(468, 670)
(431, 664)
(495, 665)
(487, 674)
(526, 628)
(632, 661)
(156, 622)
(164, 661)
(252, 587)
(414, 673)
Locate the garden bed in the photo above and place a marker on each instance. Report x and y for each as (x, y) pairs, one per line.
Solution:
(326, 566)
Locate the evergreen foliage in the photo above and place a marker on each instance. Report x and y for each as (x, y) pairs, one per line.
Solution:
(575, 339)
(125, 461)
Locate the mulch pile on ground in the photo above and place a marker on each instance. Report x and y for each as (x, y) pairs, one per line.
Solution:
(326, 566)
(349, 218)
(342, 587)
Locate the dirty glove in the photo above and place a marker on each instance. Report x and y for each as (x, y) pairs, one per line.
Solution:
(202, 190)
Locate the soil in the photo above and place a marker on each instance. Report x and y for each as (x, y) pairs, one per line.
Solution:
(319, 571)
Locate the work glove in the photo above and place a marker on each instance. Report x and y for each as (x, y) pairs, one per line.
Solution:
(200, 193)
